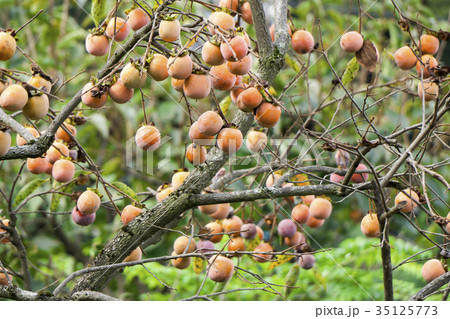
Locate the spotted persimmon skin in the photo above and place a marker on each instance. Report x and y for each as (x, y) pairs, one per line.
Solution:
(221, 78)
(370, 226)
(7, 46)
(119, 93)
(352, 41)
(221, 269)
(229, 140)
(302, 41)
(88, 202)
(410, 197)
(121, 28)
(148, 138)
(197, 86)
(210, 123)
(14, 98)
(63, 170)
(129, 213)
(267, 114)
(36, 107)
(405, 58)
(169, 31)
(211, 54)
(196, 154)
(90, 96)
(158, 68)
(137, 18)
(5, 142)
(97, 45)
(179, 67)
(235, 49)
(197, 137)
(232, 224)
(429, 44)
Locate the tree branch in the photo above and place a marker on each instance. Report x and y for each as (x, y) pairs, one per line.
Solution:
(431, 287)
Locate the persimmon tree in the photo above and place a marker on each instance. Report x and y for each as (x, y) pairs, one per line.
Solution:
(243, 188)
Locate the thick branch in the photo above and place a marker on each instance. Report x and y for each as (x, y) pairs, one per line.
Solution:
(431, 287)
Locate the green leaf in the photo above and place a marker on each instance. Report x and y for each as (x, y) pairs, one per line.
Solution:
(350, 71)
(225, 105)
(294, 65)
(97, 10)
(28, 189)
(291, 279)
(56, 197)
(126, 190)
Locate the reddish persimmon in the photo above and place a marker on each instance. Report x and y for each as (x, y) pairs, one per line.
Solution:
(129, 213)
(137, 18)
(302, 41)
(429, 44)
(229, 140)
(118, 29)
(93, 97)
(169, 31)
(196, 154)
(97, 45)
(210, 123)
(352, 41)
(221, 78)
(158, 68)
(267, 114)
(148, 137)
(405, 58)
(179, 67)
(198, 137)
(63, 170)
(88, 202)
(197, 86)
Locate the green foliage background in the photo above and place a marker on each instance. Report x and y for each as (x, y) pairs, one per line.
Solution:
(350, 270)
